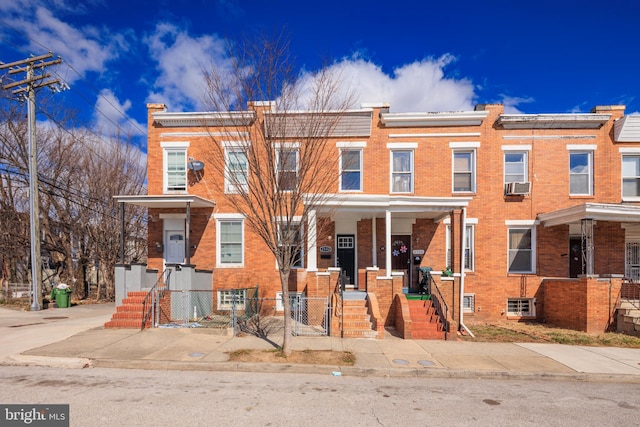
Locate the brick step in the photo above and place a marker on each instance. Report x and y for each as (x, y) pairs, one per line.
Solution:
(355, 324)
(359, 334)
(133, 300)
(129, 314)
(130, 308)
(125, 324)
(357, 316)
(126, 315)
(438, 335)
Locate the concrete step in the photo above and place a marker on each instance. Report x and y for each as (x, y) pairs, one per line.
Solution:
(359, 334)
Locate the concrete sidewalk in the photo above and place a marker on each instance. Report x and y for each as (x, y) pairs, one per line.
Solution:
(86, 343)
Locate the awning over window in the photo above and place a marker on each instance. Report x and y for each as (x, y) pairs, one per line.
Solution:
(167, 201)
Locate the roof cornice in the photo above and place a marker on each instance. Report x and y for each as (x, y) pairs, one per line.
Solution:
(231, 118)
(552, 121)
(456, 118)
(595, 211)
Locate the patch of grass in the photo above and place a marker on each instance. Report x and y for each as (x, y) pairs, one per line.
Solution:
(349, 358)
(239, 353)
(538, 332)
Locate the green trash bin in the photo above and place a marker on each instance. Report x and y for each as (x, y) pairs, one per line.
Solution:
(62, 296)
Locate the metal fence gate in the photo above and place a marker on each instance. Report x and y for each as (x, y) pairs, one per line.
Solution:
(310, 315)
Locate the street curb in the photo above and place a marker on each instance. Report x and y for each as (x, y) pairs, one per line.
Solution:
(352, 371)
(52, 362)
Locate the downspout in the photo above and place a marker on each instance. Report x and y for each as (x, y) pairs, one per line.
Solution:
(462, 274)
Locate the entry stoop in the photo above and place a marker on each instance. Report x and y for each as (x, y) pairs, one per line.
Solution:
(628, 319)
(425, 322)
(356, 320)
(129, 315)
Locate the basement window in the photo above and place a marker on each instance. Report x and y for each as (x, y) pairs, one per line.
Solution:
(469, 303)
(521, 307)
(227, 299)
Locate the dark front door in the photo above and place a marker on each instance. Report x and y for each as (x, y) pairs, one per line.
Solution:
(575, 256)
(401, 255)
(346, 256)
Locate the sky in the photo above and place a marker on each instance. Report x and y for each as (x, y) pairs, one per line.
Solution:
(561, 56)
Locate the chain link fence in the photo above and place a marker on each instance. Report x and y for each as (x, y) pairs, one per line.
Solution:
(241, 310)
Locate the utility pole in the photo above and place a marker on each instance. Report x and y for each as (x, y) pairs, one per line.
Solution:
(29, 86)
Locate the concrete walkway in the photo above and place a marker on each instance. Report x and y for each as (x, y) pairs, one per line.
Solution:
(74, 338)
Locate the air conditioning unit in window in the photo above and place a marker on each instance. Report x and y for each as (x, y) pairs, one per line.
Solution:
(517, 188)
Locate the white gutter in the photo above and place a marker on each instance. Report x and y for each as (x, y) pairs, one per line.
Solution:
(462, 274)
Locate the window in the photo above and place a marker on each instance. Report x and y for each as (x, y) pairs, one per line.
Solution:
(351, 170)
(230, 242)
(232, 297)
(630, 176)
(515, 167)
(237, 170)
(580, 173)
(521, 307)
(469, 303)
(521, 250)
(292, 235)
(402, 171)
(176, 169)
(468, 248)
(287, 163)
(463, 171)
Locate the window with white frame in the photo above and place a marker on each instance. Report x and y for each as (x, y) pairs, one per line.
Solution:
(175, 166)
(469, 303)
(631, 176)
(291, 236)
(287, 167)
(402, 171)
(468, 247)
(521, 307)
(464, 171)
(229, 298)
(516, 166)
(351, 170)
(581, 173)
(230, 242)
(521, 249)
(237, 170)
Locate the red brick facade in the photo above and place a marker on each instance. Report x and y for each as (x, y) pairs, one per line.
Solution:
(487, 134)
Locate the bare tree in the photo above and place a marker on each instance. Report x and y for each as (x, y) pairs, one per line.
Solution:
(278, 166)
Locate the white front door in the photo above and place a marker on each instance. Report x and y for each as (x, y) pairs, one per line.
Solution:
(174, 242)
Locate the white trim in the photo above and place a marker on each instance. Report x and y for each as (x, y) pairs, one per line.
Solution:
(172, 216)
(360, 151)
(534, 245)
(229, 218)
(523, 147)
(287, 145)
(402, 145)
(235, 144)
(174, 144)
(212, 134)
(629, 150)
(224, 216)
(521, 222)
(434, 135)
(581, 147)
(447, 221)
(351, 144)
(470, 144)
(549, 137)
(411, 169)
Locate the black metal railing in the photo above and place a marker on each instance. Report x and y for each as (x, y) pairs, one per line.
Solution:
(630, 292)
(151, 302)
(439, 303)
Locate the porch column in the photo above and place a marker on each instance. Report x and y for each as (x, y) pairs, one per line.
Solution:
(187, 230)
(121, 232)
(374, 245)
(387, 243)
(587, 246)
(312, 257)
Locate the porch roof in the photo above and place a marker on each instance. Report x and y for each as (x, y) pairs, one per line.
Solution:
(376, 205)
(166, 201)
(597, 211)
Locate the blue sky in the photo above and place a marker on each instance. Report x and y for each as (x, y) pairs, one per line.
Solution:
(535, 57)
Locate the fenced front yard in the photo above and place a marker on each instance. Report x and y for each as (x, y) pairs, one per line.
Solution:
(243, 311)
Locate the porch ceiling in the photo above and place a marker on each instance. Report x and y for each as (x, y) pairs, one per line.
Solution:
(595, 211)
(167, 201)
(372, 205)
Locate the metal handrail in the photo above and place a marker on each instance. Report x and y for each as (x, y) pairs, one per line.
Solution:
(339, 300)
(439, 303)
(153, 297)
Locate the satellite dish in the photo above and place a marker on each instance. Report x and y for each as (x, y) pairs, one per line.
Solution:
(195, 165)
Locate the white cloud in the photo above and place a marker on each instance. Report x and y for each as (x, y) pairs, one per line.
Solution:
(181, 60)
(418, 86)
(110, 116)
